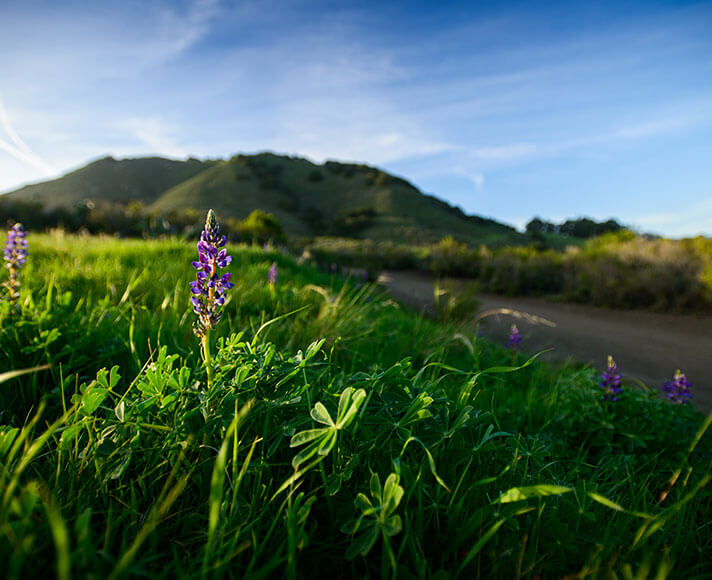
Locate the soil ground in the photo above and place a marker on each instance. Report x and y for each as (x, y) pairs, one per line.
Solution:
(647, 346)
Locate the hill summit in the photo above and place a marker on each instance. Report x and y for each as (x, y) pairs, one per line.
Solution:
(333, 198)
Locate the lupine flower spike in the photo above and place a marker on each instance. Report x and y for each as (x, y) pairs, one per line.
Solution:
(14, 255)
(515, 338)
(272, 274)
(209, 288)
(678, 390)
(611, 381)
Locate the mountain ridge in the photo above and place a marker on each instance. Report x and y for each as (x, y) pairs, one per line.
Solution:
(309, 199)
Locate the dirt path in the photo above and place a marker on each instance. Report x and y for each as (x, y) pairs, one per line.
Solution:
(646, 346)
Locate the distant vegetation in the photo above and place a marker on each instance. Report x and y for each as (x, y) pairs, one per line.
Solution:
(578, 228)
(618, 270)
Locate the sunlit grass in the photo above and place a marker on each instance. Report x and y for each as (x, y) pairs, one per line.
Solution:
(342, 436)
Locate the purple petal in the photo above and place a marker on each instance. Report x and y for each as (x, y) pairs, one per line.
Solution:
(225, 262)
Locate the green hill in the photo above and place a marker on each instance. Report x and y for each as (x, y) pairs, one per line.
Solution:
(110, 180)
(333, 198)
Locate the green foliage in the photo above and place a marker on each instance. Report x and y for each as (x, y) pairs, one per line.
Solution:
(578, 228)
(377, 518)
(260, 227)
(323, 439)
(119, 460)
(617, 270)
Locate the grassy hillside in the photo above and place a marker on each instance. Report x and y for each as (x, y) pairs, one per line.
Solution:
(333, 198)
(109, 180)
(347, 200)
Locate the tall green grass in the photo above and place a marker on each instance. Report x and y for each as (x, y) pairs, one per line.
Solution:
(342, 436)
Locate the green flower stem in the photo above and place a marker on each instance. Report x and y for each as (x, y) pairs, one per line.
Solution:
(206, 356)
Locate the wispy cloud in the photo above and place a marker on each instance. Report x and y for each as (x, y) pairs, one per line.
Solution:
(679, 221)
(154, 135)
(664, 121)
(18, 148)
(179, 30)
(512, 152)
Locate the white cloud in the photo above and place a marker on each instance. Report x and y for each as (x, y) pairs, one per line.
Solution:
(475, 177)
(506, 153)
(17, 148)
(154, 136)
(695, 219)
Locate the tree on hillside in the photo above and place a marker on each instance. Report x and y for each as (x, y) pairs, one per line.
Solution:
(260, 227)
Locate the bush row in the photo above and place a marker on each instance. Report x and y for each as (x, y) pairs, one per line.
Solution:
(619, 270)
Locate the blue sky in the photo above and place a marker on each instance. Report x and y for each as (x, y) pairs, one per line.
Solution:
(507, 109)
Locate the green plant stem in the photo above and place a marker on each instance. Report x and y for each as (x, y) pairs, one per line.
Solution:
(206, 357)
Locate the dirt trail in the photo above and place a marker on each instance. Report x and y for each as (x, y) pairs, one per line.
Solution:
(646, 346)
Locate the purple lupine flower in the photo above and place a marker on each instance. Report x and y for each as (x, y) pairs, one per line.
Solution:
(209, 288)
(272, 274)
(14, 255)
(678, 390)
(515, 338)
(611, 381)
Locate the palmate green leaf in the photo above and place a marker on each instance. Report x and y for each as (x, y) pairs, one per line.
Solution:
(522, 493)
(417, 410)
(92, 398)
(327, 443)
(392, 494)
(178, 379)
(374, 486)
(305, 454)
(320, 414)
(112, 380)
(349, 404)
(362, 502)
(155, 380)
(306, 436)
(321, 445)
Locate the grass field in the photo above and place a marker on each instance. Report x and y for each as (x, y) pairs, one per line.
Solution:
(340, 436)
